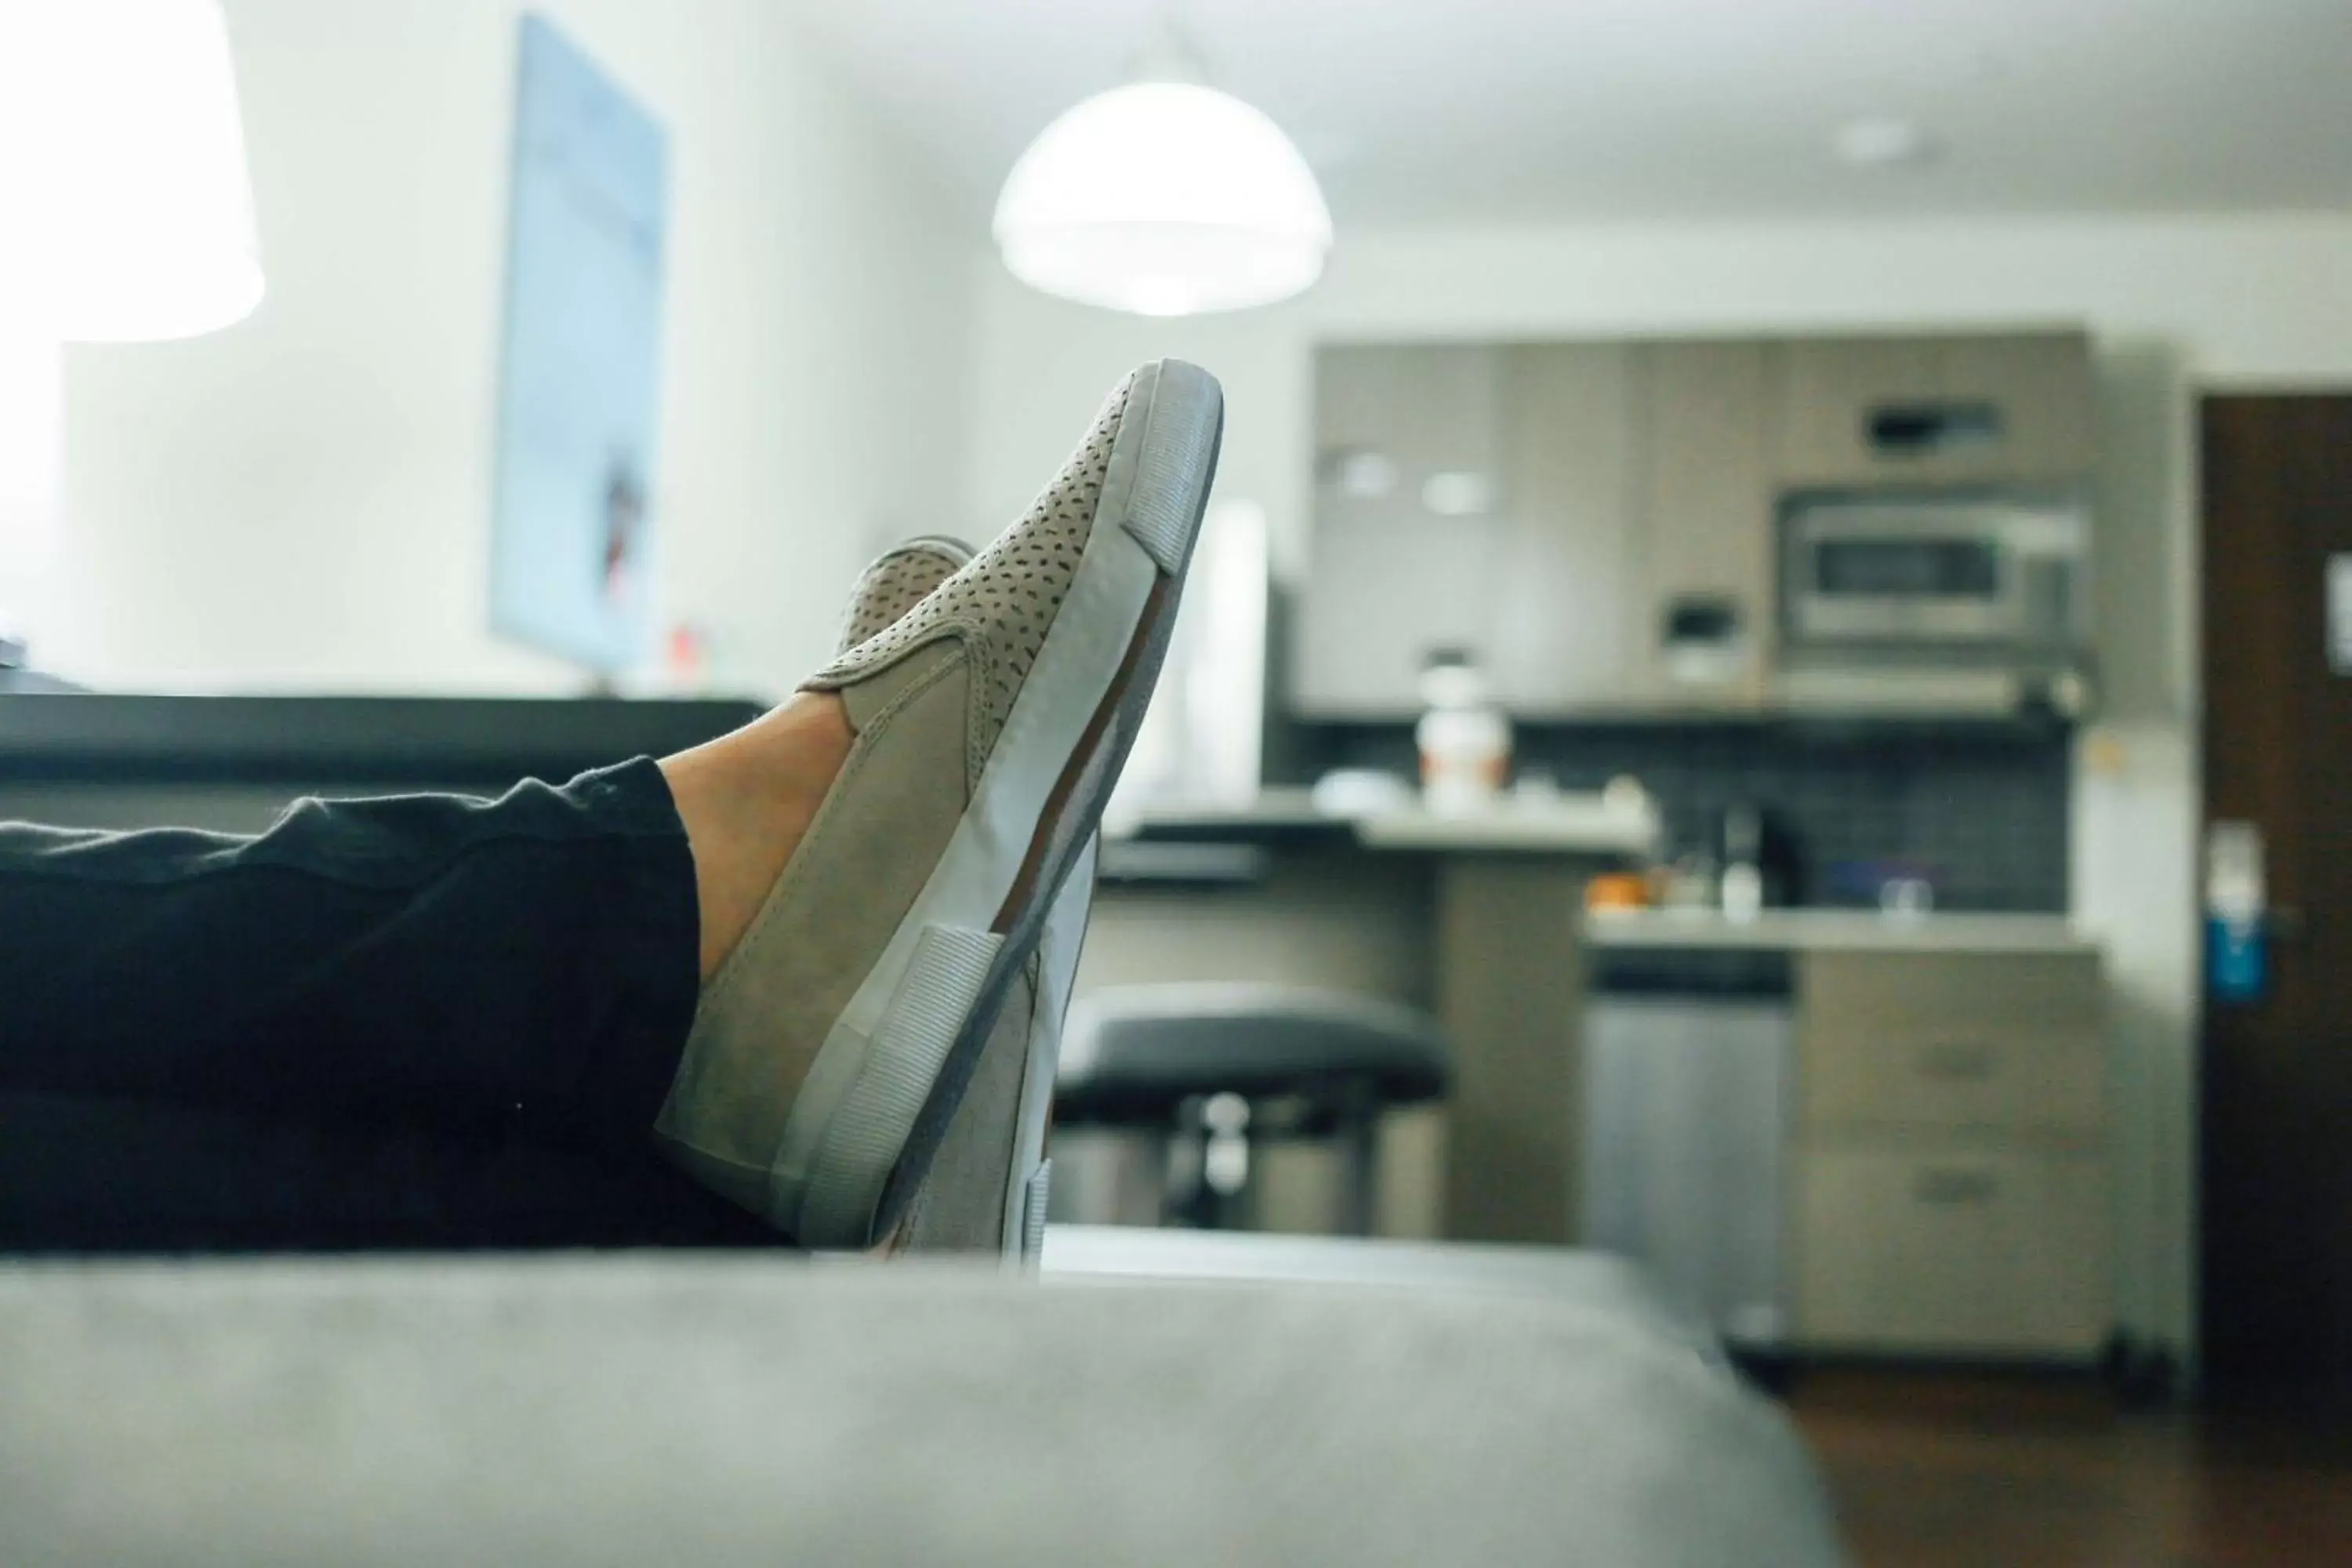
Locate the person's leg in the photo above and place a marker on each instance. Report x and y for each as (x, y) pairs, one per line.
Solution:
(526, 964)
(421, 1022)
(427, 957)
(94, 1177)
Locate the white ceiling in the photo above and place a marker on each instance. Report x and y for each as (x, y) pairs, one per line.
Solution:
(1454, 110)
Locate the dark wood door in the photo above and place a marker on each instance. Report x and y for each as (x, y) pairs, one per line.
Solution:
(2277, 1068)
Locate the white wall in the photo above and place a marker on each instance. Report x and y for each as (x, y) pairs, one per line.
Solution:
(2176, 303)
(31, 403)
(302, 501)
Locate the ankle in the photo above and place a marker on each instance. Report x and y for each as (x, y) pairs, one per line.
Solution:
(746, 800)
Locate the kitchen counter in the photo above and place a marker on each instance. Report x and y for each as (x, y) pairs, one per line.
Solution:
(1579, 825)
(1850, 930)
(1555, 825)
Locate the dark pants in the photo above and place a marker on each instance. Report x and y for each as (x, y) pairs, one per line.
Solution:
(422, 1021)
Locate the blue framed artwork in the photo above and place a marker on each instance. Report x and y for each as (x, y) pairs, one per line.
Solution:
(571, 533)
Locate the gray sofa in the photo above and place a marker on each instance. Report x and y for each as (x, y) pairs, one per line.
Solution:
(705, 1409)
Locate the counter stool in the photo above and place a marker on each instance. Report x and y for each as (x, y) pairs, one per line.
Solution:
(1212, 1067)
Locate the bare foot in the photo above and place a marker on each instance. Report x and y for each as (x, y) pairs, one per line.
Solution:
(746, 799)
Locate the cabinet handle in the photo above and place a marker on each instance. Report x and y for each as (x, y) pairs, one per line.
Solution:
(1949, 1187)
(1931, 429)
(1959, 1061)
(1704, 619)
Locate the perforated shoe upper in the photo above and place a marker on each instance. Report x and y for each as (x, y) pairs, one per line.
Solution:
(896, 583)
(1002, 604)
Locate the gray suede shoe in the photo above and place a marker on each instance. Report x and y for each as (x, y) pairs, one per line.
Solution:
(832, 1049)
(987, 1188)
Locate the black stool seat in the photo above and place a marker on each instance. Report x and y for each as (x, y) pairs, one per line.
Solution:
(1217, 1066)
(1137, 1053)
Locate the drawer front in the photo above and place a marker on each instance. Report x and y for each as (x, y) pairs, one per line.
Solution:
(1951, 1252)
(2057, 991)
(1976, 1077)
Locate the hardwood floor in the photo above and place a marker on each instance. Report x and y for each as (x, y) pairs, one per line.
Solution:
(1946, 1471)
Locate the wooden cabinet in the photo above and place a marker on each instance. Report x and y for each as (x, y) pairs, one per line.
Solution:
(1701, 580)
(1993, 1043)
(1959, 1076)
(1952, 1248)
(2004, 408)
(1473, 499)
(1594, 522)
(1390, 581)
(1950, 1175)
(1560, 623)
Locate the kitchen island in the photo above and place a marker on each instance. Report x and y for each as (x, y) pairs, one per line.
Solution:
(1477, 918)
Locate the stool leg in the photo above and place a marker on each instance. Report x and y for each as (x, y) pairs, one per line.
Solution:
(1226, 1159)
(1185, 1202)
(1208, 1164)
(1357, 1137)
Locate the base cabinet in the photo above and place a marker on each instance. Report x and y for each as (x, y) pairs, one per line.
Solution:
(1949, 1188)
(1952, 1250)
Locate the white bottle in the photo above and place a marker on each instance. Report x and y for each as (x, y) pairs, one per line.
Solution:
(1464, 740)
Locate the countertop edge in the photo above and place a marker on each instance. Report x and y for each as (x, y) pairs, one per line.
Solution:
(1812, 930)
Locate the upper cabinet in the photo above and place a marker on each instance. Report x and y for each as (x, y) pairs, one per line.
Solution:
(1926, 411)
(1559, 627)
(1596, 523)
(1471, 500)
(1403, 557)
(1701, 590)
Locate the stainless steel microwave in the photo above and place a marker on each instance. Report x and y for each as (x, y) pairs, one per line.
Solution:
(1975, 578)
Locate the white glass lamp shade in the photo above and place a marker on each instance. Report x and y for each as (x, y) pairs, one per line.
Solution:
(1165, 199)
(122, 178)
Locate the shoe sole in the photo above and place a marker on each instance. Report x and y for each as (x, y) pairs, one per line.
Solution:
(1029, 1178)
(878, 1098)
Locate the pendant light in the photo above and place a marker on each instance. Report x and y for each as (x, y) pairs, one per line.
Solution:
(1164, 197)
(122, 178)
